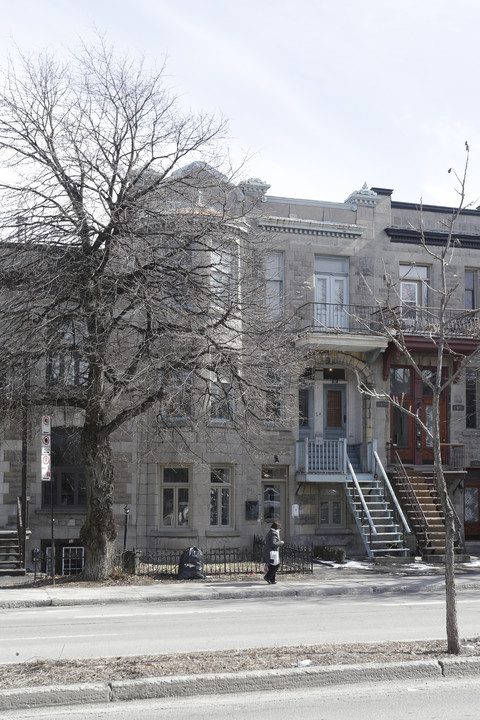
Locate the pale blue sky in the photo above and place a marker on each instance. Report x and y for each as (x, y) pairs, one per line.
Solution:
(323, 95)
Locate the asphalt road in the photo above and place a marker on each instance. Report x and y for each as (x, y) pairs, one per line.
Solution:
(151, 628)
(428, 700)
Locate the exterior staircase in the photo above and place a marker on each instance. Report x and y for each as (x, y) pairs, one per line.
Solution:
(418, 494)
(375, 515)
(10, 554)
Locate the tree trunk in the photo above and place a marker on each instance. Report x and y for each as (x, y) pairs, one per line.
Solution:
(453, 640)
(99, 530)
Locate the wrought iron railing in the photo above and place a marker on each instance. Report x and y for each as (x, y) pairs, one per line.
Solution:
(217, 561)
(364, 319)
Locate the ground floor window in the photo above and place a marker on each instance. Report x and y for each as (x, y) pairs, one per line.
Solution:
(220, 496)
(331, 512)
(67, 487)
(175, 496)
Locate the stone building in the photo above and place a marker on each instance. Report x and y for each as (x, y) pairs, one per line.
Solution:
(348, 273)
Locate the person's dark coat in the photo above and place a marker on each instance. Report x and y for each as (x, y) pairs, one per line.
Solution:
(272, 542)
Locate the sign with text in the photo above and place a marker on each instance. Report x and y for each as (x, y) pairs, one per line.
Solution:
(46, 466)
(46, 447)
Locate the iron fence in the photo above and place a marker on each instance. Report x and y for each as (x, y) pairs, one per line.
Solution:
(164, 563)
(218, 561)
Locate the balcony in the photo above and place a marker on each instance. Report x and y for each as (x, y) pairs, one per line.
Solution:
(366, 328)
(425, 322)
(334, 326)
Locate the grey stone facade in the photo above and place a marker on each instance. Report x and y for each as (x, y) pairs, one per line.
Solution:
(369, 236)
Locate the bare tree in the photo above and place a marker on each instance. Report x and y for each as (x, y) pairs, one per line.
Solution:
(395, 320)
(130, 277)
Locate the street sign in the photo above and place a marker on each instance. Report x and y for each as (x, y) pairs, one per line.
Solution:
(46, 447)
(46, 466)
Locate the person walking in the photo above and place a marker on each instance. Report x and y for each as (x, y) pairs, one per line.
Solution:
(271, 555)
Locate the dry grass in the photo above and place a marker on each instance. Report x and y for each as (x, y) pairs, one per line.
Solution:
(60, 672)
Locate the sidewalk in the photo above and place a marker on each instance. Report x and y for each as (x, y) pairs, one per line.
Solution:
(327, 579)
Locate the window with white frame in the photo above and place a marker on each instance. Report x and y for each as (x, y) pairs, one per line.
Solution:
(220, 496)
(331, 511)
(275, 283)
(178, 402)
(471, 289)
(221, 399)
(414, 280)
(223, 277)
(67, 364)
(175, 497)
(274, 396)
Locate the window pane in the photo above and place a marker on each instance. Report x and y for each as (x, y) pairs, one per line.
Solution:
(471, 399)
(213, 506)
(182, 506)
(336, 513)
(168, 506)
(431, 375)
(271, 502)
(274, 283)
(220, 475)
(175, 475)
(469, 290)
(400, 428)
(225, 506)
(67, 489)
(324, 513)
(400, 381)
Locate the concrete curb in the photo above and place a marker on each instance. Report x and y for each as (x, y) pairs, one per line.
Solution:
(223, 683)
(66, 598)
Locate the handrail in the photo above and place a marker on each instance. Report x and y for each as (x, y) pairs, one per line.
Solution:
(362, 499)
(418, 510)
(20, 533)
(392, 493)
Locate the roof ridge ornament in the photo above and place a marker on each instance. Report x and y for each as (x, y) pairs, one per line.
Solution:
(364, 197)
(254, 186)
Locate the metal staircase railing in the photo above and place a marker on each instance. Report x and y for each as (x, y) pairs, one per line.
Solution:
(416, 511)
(388, 486)
(384, 533)
(352, 494)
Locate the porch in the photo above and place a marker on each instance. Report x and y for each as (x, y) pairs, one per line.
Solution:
(374, 506)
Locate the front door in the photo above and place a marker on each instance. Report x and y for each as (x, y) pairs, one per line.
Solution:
(334, 412)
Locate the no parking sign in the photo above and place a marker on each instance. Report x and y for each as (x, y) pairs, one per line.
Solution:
(46, 445)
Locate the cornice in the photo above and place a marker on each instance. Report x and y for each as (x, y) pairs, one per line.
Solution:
(298, 226)
(432, 237)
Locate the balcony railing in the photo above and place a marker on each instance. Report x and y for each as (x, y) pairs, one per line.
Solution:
(321, 456)
(368, 320)
(335, 318)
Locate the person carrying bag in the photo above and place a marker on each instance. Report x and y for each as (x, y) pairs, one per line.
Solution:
(271, 554)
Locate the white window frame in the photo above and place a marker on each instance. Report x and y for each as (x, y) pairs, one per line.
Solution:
(180, 514)
(221, 496)
(331, 498)
(221, 400)
(275, 283)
